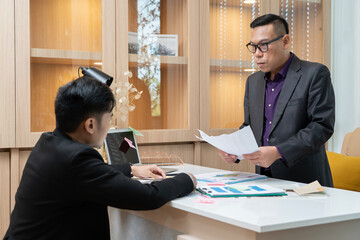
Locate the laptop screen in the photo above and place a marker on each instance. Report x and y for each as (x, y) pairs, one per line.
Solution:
(121, 147)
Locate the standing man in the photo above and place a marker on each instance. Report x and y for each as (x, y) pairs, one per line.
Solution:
(66, 186)
(290, 106)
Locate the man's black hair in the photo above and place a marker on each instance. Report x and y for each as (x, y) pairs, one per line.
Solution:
(281, 27)
(80, 99)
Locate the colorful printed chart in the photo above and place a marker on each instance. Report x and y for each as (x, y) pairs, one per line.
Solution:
(241, 191)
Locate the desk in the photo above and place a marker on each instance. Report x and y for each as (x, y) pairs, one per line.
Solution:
(334, 215)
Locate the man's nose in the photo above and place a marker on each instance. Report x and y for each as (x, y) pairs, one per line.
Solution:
(258, 53)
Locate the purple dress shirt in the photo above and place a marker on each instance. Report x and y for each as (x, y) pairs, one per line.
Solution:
(272, 93)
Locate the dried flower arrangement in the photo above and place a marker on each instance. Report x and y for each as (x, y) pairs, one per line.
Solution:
(126, 93)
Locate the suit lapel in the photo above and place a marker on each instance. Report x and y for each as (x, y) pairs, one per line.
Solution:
(260, 102)
(291, 80)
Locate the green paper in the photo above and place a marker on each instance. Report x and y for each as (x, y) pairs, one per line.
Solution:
(136, 132)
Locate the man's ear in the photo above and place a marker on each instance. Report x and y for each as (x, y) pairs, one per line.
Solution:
(286, 40)
(90, 125)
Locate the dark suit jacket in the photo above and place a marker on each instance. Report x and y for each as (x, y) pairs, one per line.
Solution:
(303, 121)
(66, 188)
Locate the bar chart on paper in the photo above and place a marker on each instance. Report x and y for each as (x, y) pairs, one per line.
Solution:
(241, 191)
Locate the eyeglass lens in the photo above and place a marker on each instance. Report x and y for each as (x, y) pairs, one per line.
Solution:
(262, 47)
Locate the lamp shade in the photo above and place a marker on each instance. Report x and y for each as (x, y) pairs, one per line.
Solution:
(97, 74)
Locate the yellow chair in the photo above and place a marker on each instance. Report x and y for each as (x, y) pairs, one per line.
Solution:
(345, 171)
(351, 143)
(345, 167)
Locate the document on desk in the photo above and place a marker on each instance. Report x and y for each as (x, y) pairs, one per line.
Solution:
(238, 143)
(241, 191)
(226, 177)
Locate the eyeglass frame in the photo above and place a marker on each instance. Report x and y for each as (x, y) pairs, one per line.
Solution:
(256, 46)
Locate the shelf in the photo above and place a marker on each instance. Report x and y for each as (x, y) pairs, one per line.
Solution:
(248, 4)
(56, 56)
(230, 65)
(134, 60)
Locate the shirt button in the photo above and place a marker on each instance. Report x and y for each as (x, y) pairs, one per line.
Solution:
(269, 105)
(272, 89)
(270, 122)
(267, 139)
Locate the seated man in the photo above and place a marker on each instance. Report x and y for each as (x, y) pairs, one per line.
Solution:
(66, 186)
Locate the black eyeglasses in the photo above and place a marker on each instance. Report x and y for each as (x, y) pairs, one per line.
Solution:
(263, 47)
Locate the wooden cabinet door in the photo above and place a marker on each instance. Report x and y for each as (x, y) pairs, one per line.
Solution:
(227, 63)
(5, 192)
(7, 75)
(53, 39)
(161, 40)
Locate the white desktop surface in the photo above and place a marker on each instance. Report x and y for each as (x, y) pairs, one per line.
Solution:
(266, 217)
(264, 214)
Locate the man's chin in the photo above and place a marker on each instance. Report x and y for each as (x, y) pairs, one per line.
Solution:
(263, 69)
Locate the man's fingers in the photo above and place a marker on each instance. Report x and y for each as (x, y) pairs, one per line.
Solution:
(158, 172)
(252, 156)
(156, 176)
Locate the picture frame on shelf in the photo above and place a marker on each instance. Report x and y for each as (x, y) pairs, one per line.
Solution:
(133, 43)
(156, 44)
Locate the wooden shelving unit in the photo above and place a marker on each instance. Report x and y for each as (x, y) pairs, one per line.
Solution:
(56, 56)
(46, 40)
(134, 59)
(229, 65)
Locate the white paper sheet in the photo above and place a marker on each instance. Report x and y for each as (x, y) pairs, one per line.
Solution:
(237, 143)
(226, 177)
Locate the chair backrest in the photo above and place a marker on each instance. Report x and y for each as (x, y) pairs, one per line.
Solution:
(351, 143)
(345, 171)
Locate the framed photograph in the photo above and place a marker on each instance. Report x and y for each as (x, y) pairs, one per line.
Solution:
(157, 44)
(133, 43)
(165, 44)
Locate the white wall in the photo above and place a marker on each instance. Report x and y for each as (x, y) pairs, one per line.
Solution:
(345, 67)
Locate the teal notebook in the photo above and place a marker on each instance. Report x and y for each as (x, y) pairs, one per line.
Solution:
(241, 191)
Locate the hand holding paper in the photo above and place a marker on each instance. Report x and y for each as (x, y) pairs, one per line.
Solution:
(237, 143)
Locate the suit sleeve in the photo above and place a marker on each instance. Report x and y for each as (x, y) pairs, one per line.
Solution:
(125, 168)
(95, 181)
(246, 107)
(320, 116)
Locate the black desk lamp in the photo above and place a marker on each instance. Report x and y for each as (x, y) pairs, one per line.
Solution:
(97, 74)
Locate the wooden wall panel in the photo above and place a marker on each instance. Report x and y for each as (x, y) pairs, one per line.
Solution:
(5, 192)
(18, 161)
(7, 74)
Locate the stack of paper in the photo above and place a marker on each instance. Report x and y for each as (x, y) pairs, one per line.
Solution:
(228, 184)
(228, 177)
(237, 143)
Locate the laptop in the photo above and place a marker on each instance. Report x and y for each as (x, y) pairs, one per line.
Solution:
(121, 147)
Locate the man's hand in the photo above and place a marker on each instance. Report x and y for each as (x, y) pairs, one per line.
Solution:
(264, 157)
(229, 158)
(148, 171)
